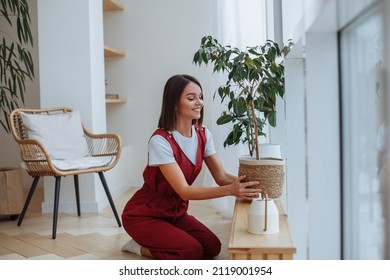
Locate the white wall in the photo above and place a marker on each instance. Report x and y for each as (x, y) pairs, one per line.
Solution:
(71, 58)
(313, 123)
(323, 146)
(160, 39)
(292, 19)
(312, 129)
(296, 167)
(72, 74)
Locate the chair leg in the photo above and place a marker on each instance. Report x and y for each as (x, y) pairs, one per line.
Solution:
(109, 198)
(28, 199)
(76, 188)
(56, 204)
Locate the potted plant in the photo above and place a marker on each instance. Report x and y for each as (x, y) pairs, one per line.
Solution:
(255, 80)
(16, 64)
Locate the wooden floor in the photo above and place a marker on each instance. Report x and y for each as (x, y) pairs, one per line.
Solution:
(89, 237)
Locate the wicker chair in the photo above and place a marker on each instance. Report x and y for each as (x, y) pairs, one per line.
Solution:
(39, 163)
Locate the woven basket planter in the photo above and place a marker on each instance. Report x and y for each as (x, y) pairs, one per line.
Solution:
(270, 173)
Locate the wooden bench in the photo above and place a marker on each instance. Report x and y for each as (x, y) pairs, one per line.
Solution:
(247, 246)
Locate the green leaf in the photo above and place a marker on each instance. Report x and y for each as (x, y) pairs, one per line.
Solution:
(204, 57)
(253, 51)
(225, 118)
(196, 58)
(240, 107)
(237, 132)
(4, 12)
(272, 118)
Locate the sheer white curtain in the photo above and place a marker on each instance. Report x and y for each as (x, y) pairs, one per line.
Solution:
(241, 24)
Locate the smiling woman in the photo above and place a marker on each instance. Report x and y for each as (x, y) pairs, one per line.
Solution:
(190, 108)
(156, 216)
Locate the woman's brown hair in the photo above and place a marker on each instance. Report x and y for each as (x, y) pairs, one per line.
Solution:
(173, 89)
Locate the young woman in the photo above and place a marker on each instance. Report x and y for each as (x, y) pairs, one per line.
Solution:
(156, 216)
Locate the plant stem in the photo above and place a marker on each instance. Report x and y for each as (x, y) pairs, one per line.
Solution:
(252, 106)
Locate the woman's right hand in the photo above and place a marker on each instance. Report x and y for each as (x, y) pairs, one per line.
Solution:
(241, 189)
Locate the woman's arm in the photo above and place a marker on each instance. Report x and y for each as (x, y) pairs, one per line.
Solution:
(233, 186)
(217, 170)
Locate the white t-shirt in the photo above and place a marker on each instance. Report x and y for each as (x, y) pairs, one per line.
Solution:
(160, 151)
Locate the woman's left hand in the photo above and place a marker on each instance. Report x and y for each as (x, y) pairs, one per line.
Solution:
(243, 189)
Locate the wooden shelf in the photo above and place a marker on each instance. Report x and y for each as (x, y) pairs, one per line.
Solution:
(111, 52)
(116, 101)
(248, 246)
(112, 5)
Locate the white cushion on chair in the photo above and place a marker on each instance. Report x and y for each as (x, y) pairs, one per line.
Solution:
(61, 134)
(81, 163)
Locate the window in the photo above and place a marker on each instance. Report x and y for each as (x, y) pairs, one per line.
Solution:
(362, 131)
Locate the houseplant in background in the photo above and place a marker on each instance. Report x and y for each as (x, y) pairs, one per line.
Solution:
(255, 80)
(16, 63)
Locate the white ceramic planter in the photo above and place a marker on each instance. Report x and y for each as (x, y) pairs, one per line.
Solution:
(263, 217)
(271, 151)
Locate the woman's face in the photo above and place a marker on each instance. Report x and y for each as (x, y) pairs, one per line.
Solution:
(191, 103)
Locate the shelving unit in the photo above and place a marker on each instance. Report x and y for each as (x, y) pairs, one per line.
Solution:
(113, 6)
(112, 52)
(116, 101)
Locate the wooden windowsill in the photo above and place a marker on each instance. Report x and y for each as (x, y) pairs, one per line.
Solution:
(248, 246)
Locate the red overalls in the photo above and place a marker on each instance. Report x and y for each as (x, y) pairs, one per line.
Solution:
(156, 216)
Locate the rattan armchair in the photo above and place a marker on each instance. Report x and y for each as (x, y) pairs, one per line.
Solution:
(38, 161)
